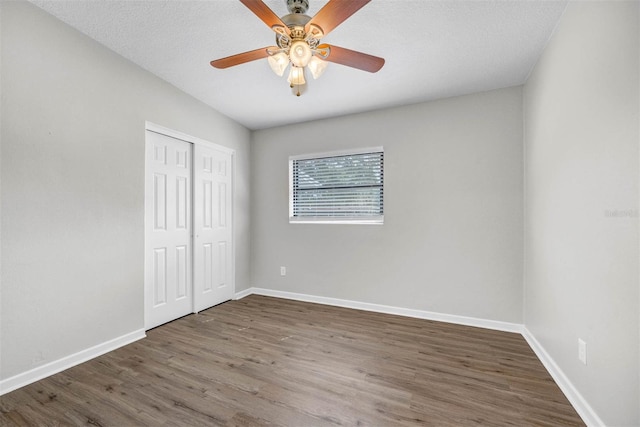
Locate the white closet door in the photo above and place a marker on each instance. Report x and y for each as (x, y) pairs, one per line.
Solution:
(213, 262)
(168, 228)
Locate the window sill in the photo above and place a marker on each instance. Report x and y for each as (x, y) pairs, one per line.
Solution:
(340, 221)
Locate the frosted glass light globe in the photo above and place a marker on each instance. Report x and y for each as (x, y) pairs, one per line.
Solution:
(300, 53)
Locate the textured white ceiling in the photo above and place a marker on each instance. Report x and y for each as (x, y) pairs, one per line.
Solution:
(433, 49)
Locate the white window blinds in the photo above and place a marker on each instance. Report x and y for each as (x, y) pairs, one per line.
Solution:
(337, 187)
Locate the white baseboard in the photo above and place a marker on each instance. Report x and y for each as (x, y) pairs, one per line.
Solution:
(67, 362)
(242, 294)
(575, 398)
(581, 406)
(420, 314)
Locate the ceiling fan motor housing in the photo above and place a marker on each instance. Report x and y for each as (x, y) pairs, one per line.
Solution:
(295, 21)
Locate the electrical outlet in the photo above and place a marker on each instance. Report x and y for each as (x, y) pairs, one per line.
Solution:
(582, 351)
(283, 271)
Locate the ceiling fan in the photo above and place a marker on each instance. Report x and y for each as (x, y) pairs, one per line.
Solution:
(298, 41)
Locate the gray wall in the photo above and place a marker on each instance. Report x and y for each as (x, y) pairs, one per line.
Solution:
(581, 228)
(73, 132)
(452, 239)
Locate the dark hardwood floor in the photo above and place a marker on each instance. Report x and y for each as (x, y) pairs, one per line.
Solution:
(268, 361)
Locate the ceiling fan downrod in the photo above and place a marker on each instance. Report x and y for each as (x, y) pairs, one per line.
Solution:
(297, 6)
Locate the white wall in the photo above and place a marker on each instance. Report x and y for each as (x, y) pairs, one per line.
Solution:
(581, 228)
(452, 238)
(73, 132)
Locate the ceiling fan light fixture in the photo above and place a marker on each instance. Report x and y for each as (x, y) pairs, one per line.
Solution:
(300, 53)
(296, 76)
(317, 67)
(278, 63)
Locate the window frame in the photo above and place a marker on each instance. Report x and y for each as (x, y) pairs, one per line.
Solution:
(363, 220)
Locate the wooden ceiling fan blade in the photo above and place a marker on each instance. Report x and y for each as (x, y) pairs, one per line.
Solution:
(241, 58)
(267, 16)
(352, 58)
(335, 13)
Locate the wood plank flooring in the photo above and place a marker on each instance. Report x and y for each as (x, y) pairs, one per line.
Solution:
(268, 361)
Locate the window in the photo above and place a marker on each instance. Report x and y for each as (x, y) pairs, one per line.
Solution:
(339, 187)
